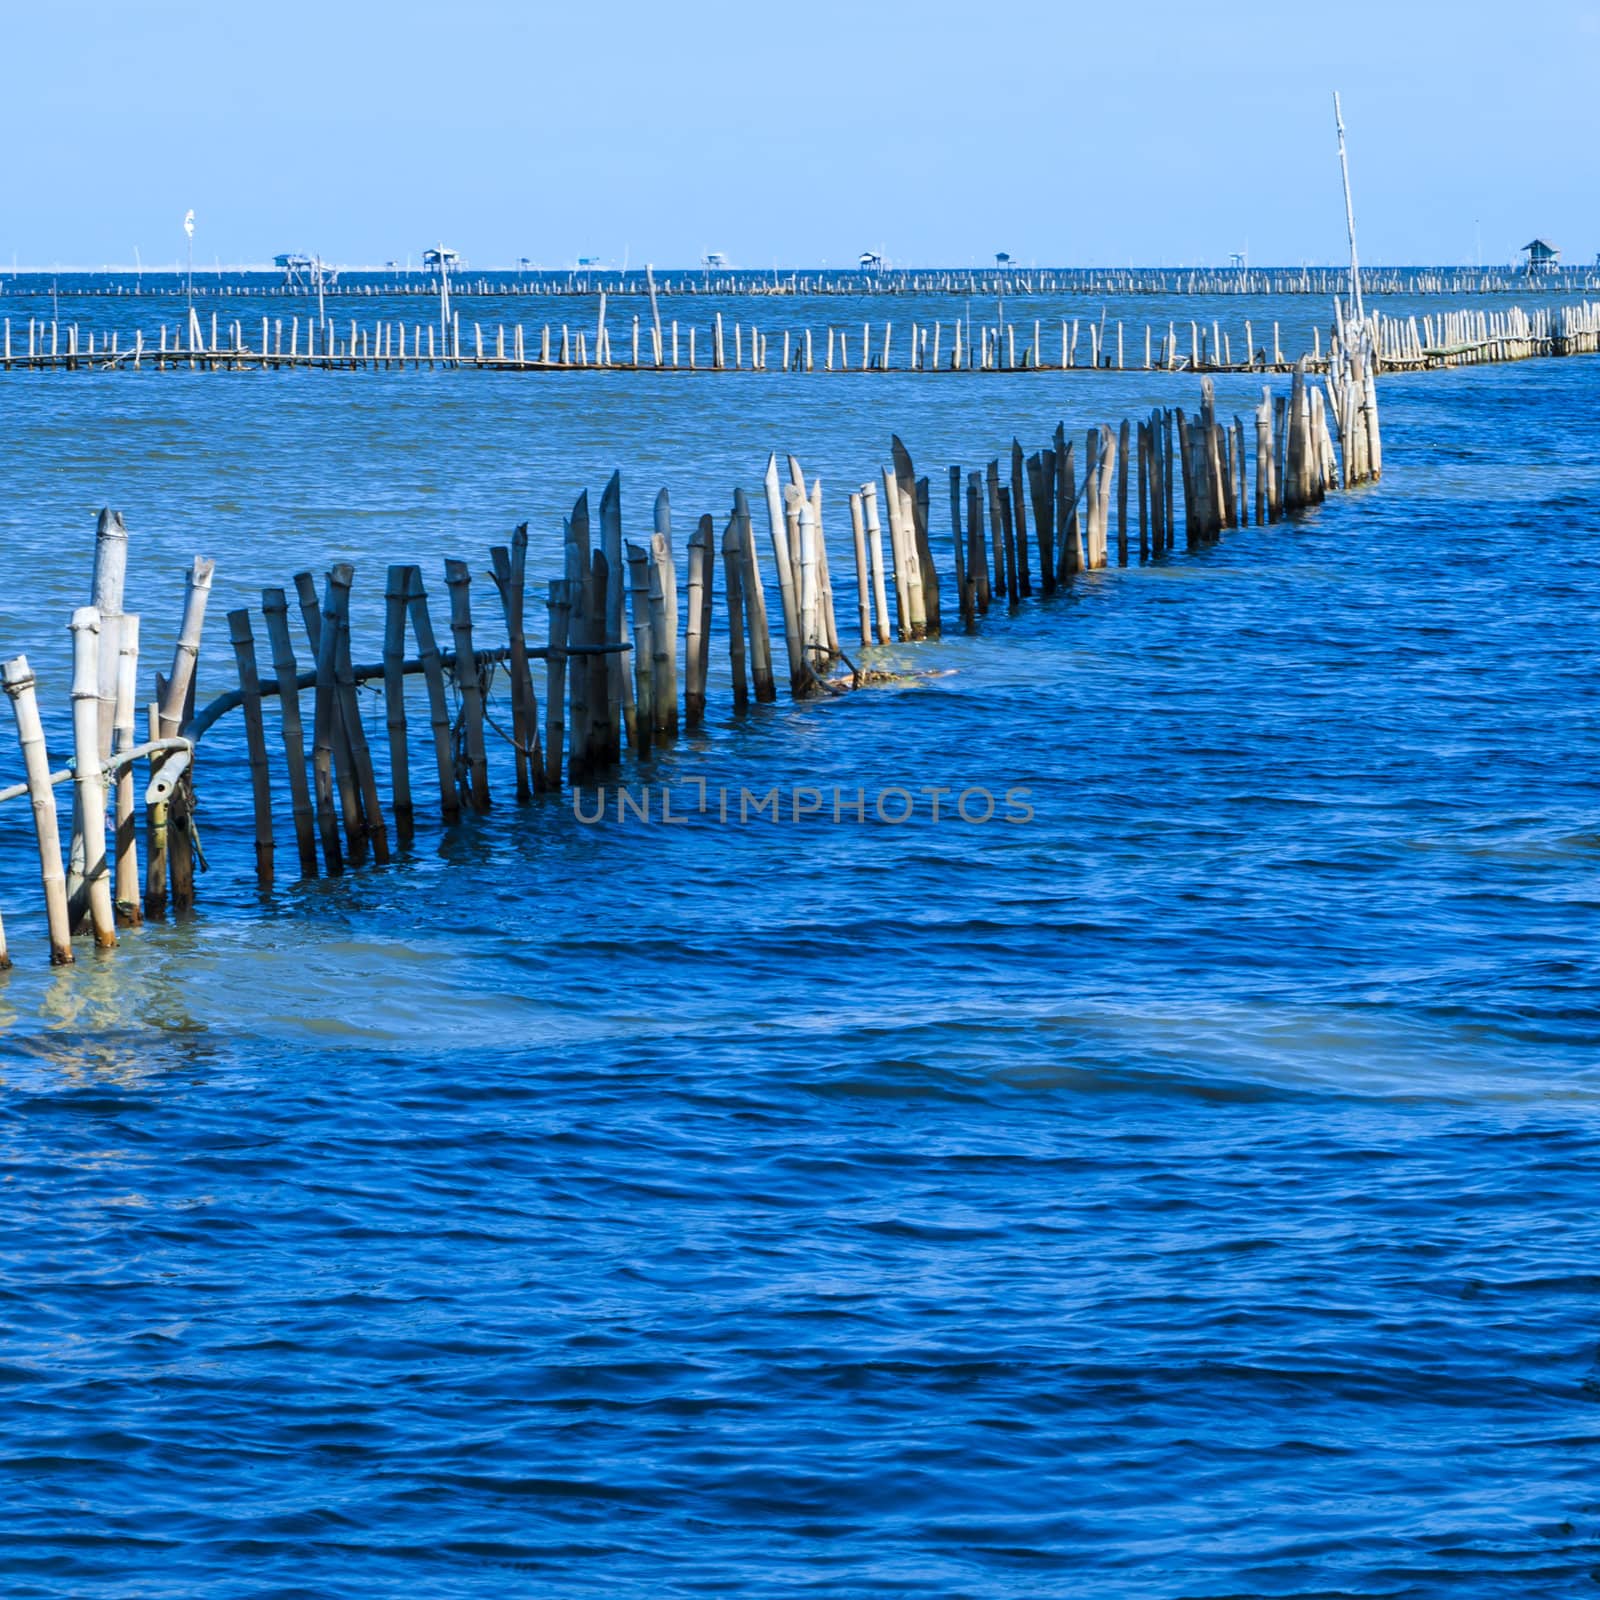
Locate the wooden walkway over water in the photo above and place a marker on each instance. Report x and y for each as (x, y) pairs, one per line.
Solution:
(1453, 338)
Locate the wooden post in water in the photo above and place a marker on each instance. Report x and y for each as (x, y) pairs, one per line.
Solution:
(619, 682)
(373, 830)
(394, 700)
(880, 595)
(1042, 490)
(755, 602)
(665, 638)
(438, 709)
(733, 578)
(1122, 494)
(275, 609)
(168, 820)
(88, 776)
(243, 641)
(639, 567)
(559, 608)
(458, 580)
(127, 892)
(964, 599)
(18, 681)
(1019, 512)
(778, 529)
(702, 565)
(510, 579)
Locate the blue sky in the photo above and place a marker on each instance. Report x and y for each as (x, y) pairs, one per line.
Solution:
(1150, 133)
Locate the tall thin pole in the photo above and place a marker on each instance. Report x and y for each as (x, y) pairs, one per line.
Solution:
(444, 300)
(1349, 214)
(188, 228)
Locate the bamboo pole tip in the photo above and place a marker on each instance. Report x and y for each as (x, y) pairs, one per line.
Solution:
(110, 525)
(16, 675)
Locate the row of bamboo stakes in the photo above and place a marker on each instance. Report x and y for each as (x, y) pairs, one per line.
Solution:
(1453, 338)
(541, 283)
(621, 664)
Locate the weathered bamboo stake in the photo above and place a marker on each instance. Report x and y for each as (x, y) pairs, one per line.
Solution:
(458, 580)
(18, 680)
(803, 559)
(977, 549)
(438, 707)
(127, 895)
(604, 744)
(701, 568)
(1070, 561)
(1142, 443)
(255, 736)
(342, 776)
(909, 541)
(110, 573)
(665, 639)
(755, 602)
(997, 532)
(510, 579)
(1108, 466)
(1122, 493)
(880, 597)
(89, 775)
(829, 626)
(732, 569)
(897, 552)
(777, 527)
(1009, 531)
(330, 760)
(619, 682)
(858, 529)
(661, 648)
(394, 700)
(925, 584)
(275, 609)
(1168, 478)
(1019, 514)
(638, 560)
(1241, 479)
(964, 599)
(168, 820)
(559, 609)
(1042, 488)
(579, 577)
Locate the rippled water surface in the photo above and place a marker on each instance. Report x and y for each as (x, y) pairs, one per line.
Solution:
(1187, 1192)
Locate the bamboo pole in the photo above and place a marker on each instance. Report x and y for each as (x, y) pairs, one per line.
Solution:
(127, 895)
(243, 641)
(755, 603)
(275, 608)
(1019, 513)
(732, 565)
(644, 679)
(665, 639)
(168, 820)
(89, 777)
(18, 680)
(509, 570)
(394, 700)
(620, 684)
(778, 529)
(694, 701)
(342, 781)
(559, 609)
(458, 580)
(858, 529)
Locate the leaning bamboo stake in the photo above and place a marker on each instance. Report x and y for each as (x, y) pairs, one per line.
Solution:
(18, 680)
(433, 678)
(559, 609)
(755, 603)
(897, 552)
(342, 782)
(243, 641)
(275, 608)
(89, 777)
(168, 820)
(644, 672)
(880, 598)
(620, 690)
(697, 647)
(777, 527)
(126, 892)
(661, 645)
(373, 829)
(666, 638)
(733, 580)
(510, 568)
(825, 616)
(394, 700)
(858, 529)
(458, 579)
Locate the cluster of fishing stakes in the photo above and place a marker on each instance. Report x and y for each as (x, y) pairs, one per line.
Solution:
(603, 688)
